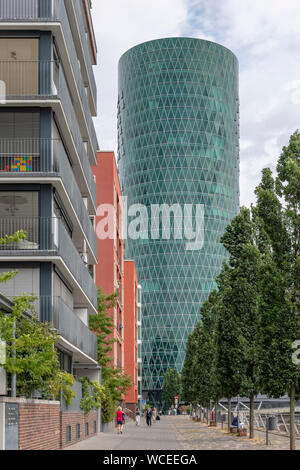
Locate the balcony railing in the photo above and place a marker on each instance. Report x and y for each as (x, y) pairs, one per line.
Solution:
(27, 78)
(46, 80)
(55, 11)
(46, 156)
(85, 47)
(13, 9)
(61, 13)
(55, 311)
(73, 329)
(48, 237)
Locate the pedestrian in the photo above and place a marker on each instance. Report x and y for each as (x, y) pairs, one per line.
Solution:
(137, 417)
(120, 420)
(149, 417)
(154, 414)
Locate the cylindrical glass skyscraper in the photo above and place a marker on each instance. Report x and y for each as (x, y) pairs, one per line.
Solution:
(178, 132)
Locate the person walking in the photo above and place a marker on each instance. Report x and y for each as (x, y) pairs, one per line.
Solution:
(137, 417)
(120, 420)
(149, 417)
(154, 414)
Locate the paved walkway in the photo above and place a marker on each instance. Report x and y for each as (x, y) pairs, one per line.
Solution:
(196, 436)
(178, 433)
(161, 436)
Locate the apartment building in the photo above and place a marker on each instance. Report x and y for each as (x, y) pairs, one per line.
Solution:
(48, 144)
(110, 270)
(132, 335)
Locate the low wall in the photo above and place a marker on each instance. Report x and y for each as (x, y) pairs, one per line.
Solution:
(72, 420)
(43, 426)
(39, 425)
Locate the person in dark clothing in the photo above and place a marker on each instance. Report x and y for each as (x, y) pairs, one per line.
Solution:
(235, 422)
(149, 417)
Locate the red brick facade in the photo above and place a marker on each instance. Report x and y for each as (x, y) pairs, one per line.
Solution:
(43, 426)
(72, 419)
(39, 426)
(131, 333)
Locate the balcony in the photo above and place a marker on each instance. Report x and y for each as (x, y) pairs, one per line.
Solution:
(74, 330)
(29, 12)
(48, 237)
(75, 4)
(34, 159)
(43, 81)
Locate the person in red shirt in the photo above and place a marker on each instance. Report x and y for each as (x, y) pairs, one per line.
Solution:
(120, 420)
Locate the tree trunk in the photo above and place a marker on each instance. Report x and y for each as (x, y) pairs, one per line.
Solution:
(207, 413)
(251, 431)
(200, 413)
(229, 414)
(292, 419)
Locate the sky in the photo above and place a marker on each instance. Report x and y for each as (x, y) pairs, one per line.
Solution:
(264, 35)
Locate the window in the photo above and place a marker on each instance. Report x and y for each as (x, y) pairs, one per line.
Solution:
(95, 427)
(19, 141)
(87, 431)
(19, 66)
(77, 431)
(68, 434)
(61, 213)
(20, 211)
(65, 362)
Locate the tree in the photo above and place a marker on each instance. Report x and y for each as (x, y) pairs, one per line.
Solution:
(205, 354)
(241, 297)
(227, 349)
(31, 355)
(188, 373)
(115, 381)
(277, 214)
(171, 386)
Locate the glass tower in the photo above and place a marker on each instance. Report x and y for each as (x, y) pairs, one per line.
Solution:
(178, 134)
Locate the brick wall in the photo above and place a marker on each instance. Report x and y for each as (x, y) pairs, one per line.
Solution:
(72, 419)
(43, 426)
(39, 426)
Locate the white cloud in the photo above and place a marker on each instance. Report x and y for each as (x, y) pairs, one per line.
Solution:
(120, 25)
(264, 34)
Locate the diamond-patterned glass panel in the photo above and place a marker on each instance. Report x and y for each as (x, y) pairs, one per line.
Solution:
(178, 135)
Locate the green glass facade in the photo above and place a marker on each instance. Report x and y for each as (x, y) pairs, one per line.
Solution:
(178, 133)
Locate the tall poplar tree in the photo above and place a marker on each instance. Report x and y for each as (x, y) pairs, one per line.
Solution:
(241, 299)
(228, 354)
(277, 215)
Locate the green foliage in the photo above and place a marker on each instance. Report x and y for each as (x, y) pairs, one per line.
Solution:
(9, 239)
(62, 382)
(204, 355)
(30, 345)
(277, 215)
(31, 354)
(171, 386)
(92, 395)
(188, 372)
(115, 381)
(243, 344)
(102, 324)
(108, 407)
(15, 238)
